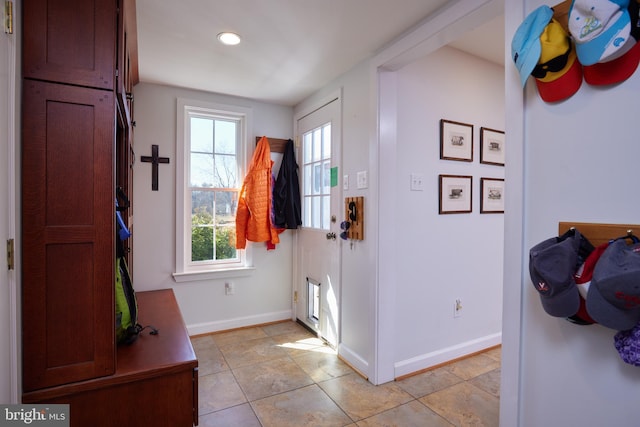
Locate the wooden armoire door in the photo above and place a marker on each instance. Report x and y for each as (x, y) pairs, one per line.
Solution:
(70, 41)
(68, 232)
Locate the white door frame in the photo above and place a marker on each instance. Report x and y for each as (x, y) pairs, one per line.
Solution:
(11, 176)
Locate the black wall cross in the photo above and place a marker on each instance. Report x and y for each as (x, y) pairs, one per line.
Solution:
(154, 159)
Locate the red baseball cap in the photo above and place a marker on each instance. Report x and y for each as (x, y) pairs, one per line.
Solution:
(614, 71)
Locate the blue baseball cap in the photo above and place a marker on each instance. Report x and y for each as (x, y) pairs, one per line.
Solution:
(613, 299)
(525, 45)
(552, 267)
(600, 28)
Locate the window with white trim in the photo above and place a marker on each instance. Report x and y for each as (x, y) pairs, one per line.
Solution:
(211, 147)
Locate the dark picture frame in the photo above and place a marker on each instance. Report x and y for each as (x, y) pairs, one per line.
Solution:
(491, 195)
(492, 144)
(456, 141)
(455, 194)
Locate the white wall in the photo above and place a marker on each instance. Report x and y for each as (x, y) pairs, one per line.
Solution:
(579, 159)
(445, 257)
(263, 296)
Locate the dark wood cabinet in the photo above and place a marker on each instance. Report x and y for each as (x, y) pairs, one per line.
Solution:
(79, 68)
(67, 234)
(155, 383)
(70, 41)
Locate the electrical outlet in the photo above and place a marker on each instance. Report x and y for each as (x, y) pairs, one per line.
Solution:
(229, 289)
(457, 308)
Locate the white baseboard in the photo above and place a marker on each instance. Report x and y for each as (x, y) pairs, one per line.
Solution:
(353, 359)
(424, 361)
(238, 322)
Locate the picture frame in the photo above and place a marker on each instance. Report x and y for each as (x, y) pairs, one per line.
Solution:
(491, 195)
(455, 194)
(492, 146)
(456, 141)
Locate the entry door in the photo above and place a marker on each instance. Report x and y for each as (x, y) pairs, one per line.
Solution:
(318, 250)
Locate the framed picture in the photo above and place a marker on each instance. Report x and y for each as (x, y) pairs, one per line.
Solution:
(456, 141)
(491, 146)
(491, 195)
(455, 194)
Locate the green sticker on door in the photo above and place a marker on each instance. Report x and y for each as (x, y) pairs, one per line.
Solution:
(334, 176)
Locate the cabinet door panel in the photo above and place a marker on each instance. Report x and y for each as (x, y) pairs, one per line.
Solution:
(68, 232)
(70, 41)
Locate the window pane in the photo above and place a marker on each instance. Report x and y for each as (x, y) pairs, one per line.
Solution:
(315, 212)
(226, 135)
(201, 135)
(326, 211)
(225, 207)
(213, 231)
(225, 242)
(326, 177)
(202, 248)
(226, 171)
(307, 212)
(317, 178)
(201, 171)
(307, 179)
(307, 143)
(326, 141)
(317, 144)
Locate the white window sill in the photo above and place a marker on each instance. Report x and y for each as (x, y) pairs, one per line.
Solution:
(192, 276)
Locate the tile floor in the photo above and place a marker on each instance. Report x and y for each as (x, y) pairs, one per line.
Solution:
(280, 375)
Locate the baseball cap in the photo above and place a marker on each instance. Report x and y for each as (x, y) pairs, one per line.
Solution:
(558, 73)
(525, 45)
(583, 280)
(628, 345)
(600, 28)
(552, 265)
(613, 299)
(622, 65)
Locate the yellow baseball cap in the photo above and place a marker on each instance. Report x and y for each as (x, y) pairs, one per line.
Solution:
(558, 73)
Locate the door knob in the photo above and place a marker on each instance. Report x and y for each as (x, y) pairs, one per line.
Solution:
(331, 236)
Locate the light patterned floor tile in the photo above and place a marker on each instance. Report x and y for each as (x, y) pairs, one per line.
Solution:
(361, 399)
(271, 377)
(246, 353)
(218, 391)
(471, 367)
(236, 416)
(429, 382)
(304, 407)
(412, 414)
(465, 405)
(322, 366)
(489, 382)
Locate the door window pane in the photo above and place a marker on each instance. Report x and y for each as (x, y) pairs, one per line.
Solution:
(317, 177)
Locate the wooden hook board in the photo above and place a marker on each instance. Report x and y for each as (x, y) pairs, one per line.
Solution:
(600, 233)
(356, 229)
(276, 145)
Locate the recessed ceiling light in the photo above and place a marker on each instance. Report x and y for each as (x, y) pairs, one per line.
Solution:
(228, 38)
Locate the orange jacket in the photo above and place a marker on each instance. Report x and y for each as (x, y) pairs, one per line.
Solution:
(253, 217)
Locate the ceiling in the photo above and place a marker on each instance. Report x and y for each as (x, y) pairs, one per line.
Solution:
(289, 48)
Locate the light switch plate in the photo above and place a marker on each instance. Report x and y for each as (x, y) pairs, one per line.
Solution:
(362, 179)
(417, 182)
